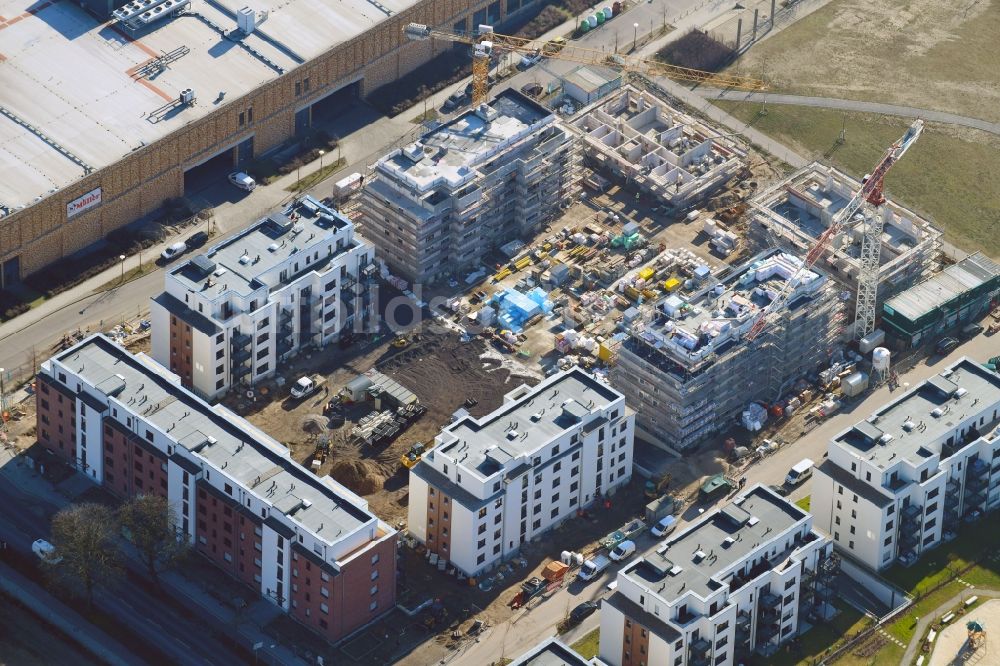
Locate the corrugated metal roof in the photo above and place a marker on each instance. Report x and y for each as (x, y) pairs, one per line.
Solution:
(953, 281)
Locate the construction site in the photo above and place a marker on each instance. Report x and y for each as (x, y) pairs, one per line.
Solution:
(794, 213)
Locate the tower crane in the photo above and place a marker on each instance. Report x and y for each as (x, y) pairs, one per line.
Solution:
(871, 193)
(484, 41)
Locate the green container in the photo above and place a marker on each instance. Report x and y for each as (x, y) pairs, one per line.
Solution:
(584, 26)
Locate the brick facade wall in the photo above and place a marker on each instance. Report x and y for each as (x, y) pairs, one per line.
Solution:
(139, 182)
(56, 418)
(335, 604)
(635, 644)
(131, 465)
(181, 341)
(438, 523)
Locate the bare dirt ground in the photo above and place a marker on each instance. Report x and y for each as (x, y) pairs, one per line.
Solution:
(953, 647)
(922, 53)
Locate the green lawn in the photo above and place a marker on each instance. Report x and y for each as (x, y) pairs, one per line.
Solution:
(316, 176)
(588, 646)
(804, 503)
(951, 175)
(822, 638)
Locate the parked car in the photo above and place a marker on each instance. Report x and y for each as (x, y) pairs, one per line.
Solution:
(582, 611)
(242, 181)
(45, 551)
(908, 559)
(174, 251)
(196, 240)
(946, 345)
(530, 60)
(665, 526)
(532, 89)
(455, 100)
(800, 472)
(622, 551)
(971, 331)
(780, 490)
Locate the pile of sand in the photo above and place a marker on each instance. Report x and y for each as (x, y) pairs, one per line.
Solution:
(361, 476)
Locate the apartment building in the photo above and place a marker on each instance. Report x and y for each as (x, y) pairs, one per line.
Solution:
(492, 483)
(686, 367)
(495, 173)
(296, 279)
(306, 544)
(899, 482)
(739, 581)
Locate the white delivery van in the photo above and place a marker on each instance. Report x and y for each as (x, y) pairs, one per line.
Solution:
(45, 551)
(593, 567)
(800, 472)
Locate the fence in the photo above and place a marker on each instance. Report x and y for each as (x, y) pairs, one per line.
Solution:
(756, 20)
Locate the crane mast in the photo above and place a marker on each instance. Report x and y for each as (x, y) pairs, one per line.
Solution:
(871, 193)
(485, 41)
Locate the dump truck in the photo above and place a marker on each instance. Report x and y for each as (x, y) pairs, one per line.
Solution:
(306, 386)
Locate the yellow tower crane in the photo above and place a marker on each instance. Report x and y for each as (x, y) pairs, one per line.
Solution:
(484, 42)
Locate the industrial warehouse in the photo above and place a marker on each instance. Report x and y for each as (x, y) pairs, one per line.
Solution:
(102, 121)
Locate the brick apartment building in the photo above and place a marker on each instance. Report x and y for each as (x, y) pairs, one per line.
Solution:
(304, 543)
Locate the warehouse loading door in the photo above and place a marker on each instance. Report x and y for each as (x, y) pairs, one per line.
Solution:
(328, 108)
(210, 172)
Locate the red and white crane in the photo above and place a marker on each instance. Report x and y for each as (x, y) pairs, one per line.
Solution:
(870, 192)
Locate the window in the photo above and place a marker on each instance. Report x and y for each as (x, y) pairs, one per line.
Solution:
(482, 512)
(262, 324)
(373, 605)
(262, 368)
(263, 337)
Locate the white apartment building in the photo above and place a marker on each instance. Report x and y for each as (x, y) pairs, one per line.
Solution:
(899, 482)
(306, 544)
(295, 279)
(738, 581)
(553, 652)
(492, 483)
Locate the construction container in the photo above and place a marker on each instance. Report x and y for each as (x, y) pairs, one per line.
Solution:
(854, 384)
(554, 571)
(871, 341)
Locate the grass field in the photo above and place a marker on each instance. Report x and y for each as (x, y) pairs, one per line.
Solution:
(951, 175)
(923, 53)
(588, 646)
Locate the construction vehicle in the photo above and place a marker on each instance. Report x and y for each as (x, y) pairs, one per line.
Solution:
(305, 386)
(412, 457)
(871, 193)
(485, 43)
(655, 489)
(400, 341)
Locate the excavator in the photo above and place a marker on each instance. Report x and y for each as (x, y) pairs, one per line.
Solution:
(485, 42)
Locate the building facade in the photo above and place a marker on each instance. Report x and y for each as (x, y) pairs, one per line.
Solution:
(438, 206)
(686, 367)
(961, 293)
(306, 544)
(492, 483)
(899, 482)
(737, 582)
(297, 279)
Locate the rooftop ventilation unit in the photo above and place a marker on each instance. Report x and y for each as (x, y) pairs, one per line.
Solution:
(937, 412)
(187, 95)
(414, 152)
(753, 521)
(273, 247)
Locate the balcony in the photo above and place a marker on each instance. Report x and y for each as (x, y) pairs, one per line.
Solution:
(770, 600)
(241, 356)
(240, 370)
(241, 341)
(767, 631)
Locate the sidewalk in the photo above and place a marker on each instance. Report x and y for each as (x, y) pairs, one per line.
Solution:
(930, 618)
(45, 606)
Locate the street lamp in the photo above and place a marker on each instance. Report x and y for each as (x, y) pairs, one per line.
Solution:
(121, 258)
(635, 35)
(3, 401)
(321, 154)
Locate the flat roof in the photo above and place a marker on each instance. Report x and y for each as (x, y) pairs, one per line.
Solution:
(550, 652)
(449, 154)
(237, 264)
(590, 78)
(690, 327)
(242, 453)
(89, 89)
(525, 424)
(907, 429)
(696, 559)
(973, 271)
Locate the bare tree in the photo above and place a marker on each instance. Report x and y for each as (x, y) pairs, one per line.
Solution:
(151, 525)
(87, 549)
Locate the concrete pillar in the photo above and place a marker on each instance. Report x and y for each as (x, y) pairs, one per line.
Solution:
(772, 13)
(756, 14)
(739, 32)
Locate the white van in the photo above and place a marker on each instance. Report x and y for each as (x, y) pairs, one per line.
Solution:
(800, 472)
(45, 551)
(623, 551)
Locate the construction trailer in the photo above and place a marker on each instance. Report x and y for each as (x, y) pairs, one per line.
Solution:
(686, 368)
(961, 293)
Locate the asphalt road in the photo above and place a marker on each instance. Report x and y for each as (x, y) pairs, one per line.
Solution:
(852, 105)
(27, 518)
